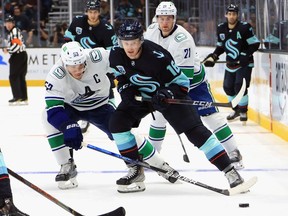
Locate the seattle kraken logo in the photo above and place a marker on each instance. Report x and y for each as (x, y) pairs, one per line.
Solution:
(87, 43)
(233, 52)
(145, 84)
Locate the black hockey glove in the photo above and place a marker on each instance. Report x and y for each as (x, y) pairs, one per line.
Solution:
(128, 93)
(243, 59)
(158, 100)
(72, 135)
(210, 60)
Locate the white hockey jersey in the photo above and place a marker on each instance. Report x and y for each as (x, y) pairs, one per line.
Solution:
(182, 47)
(90, 92)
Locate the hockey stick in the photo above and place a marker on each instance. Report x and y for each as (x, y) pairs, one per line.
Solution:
(222, 62)
(242, 188)
(233, 103)
(185, 156)
(117, 212)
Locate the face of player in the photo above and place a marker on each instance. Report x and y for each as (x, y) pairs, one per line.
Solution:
(166, 23)
(132, 48)
(232, 18)
(93, 17)
(76, 71)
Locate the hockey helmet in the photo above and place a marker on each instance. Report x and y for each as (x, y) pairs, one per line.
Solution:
(130, 29)
(166, 8)
(93, 5)
(73, 54)
(10, 18)
(232, 8)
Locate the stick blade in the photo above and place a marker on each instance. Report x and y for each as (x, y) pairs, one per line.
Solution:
(240, 94)
(117, 212)
(244, 187)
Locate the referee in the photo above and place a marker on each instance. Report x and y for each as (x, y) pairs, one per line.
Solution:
(18, 63)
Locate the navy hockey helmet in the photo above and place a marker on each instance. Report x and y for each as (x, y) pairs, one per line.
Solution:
(130, 29)
(93, 5)
(232, 8)
(10, 18)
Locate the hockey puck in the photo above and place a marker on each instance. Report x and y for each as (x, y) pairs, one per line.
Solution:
(243, 205)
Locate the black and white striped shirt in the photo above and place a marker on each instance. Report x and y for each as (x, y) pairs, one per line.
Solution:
(15, 41)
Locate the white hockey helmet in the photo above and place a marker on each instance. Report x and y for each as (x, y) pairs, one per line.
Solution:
(166, 8)
(72, 53)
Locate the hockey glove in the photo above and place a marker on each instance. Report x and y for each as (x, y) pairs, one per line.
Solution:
(243, 59)
(210, 60)
(72, 135)
(158, 100)
(128, 93)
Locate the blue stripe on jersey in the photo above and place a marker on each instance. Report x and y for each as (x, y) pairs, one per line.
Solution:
(211, 147)
(253, 40)
(124, 140)
(3, 168)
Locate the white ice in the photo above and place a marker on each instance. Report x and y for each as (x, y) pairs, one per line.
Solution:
(26, 151)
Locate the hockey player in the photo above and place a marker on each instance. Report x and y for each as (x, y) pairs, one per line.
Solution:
(77, 88)
(7, 206)
(144, 68)
(238, 41)
(90, 31)
(181, 45)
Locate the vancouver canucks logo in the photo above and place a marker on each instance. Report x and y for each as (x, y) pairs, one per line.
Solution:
(59, 72)
(158, 54)
(180, 37)
(82, 97)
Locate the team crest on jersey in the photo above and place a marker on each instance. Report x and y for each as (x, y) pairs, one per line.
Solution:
(78, 30)
(121, 69)
(95, 56)
(59, 72)
(222, 36)
(180, 37)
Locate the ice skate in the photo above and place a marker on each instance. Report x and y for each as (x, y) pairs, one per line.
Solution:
(22, 102)
(13, 102)
(84, 126)
(66, 178)
(233, 178)
(9, 209)
(133, 181)
(167, 175)
(243, 118)
(236, 159)
(233, 115)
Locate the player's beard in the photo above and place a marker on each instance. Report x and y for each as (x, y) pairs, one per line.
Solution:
(232, 21)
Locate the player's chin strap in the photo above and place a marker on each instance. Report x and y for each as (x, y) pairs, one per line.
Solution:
(242, 188)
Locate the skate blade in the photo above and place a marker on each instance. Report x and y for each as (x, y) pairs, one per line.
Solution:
(244, 123)
(244, 187)
(71, 183)
(134, 187)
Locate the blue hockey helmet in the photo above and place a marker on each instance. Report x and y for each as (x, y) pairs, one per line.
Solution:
(232, 8)
(93, 5)
(130, 29)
